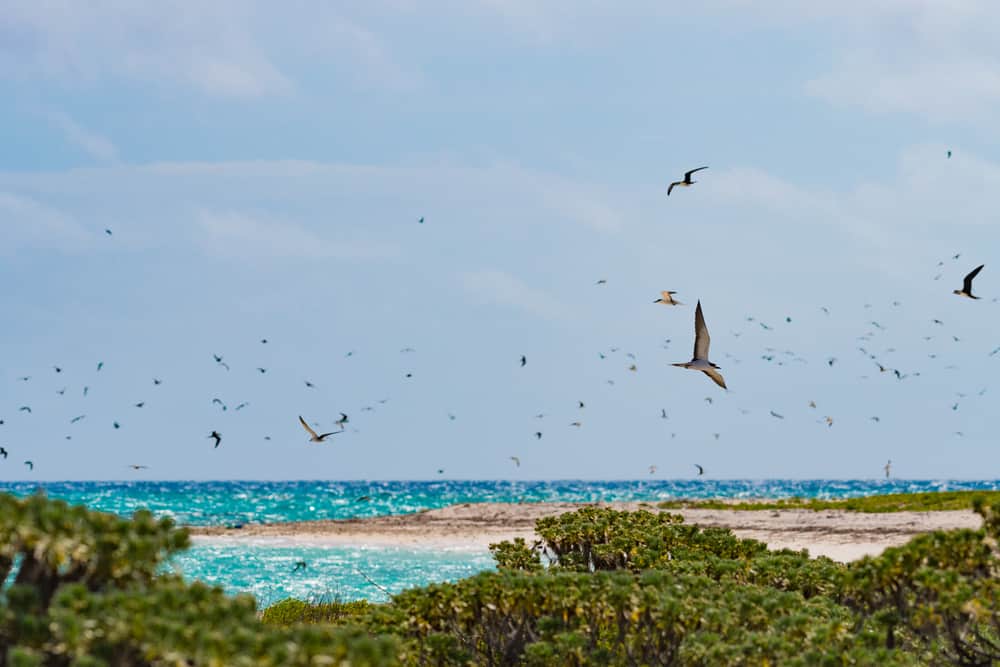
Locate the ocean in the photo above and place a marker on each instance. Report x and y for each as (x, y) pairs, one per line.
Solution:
(345, 573)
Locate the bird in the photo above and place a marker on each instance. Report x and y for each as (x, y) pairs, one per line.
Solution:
(966, 290)
(875, 419)
(313, 437)
(219, 401)
(701, 471)
(421, 220)
(949, 154)
(57, 369)
(261, 370)
(516, 460)
(652, 470)
(887, 467)
(667, 299)
(108, 232)
(776, 415)
(687, 182)
(602, 281)
(242, 405)
(309, 384)
(700, 360)
(812, 404)
(663, 413)
(3, 452)
(76, 419)
(299, 565)
(157, 381)
(362, 499)
(576, 424)
(116, 425)
(581, 404)
(524, 361)
(538, 435)
(133, 466)
(140, 404)
(30, 464)
(25, 408)
(100, 365)
(218, 438)
(343, 420)
(263, 341)
(829, 421)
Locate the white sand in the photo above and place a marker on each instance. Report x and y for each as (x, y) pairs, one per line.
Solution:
(837, 534)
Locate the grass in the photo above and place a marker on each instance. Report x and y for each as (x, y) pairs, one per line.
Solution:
(292, 612)
(892, 502)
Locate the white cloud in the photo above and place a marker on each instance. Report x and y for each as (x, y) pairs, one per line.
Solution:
(25, 222)
(93, 144)
(500, 287)
(236, 234)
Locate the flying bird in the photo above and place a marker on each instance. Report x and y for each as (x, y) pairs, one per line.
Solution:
(25, 408)
(538, 434)
(421, 220)
(776, 415)
(133, 466)
(701, 471)
(218, 438)
(887, 467)
(313, 436)
(299, 565)
(157, 381)
(667, 299)
(652, 470)
(687, 182)
(242, 405)
(343, 420)
(966, 290)
(30, 464)
(219, 401)
(261, 370)
(3, 452)
(108, 232)
(602, 281)
(140, 404)
(524, 361)
(76, 419)
(516, 461)
(309, 384)
(700, 360)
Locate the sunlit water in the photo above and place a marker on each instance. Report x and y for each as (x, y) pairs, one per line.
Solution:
(268, 571)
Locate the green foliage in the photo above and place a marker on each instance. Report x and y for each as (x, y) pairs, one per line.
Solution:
(889, 502)
(86, 593)
(291, 612)
(595, 538)
(516, 555)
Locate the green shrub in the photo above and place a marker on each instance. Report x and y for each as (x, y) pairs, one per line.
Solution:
(291, 611)
(516, 555)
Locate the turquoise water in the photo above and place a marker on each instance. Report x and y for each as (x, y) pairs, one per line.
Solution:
(266, 570)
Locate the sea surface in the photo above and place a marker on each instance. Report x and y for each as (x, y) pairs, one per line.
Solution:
(345, 573)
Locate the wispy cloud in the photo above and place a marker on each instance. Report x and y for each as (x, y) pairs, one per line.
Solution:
(25, 222)
(496, 286)
(237, 234)
(92, 143)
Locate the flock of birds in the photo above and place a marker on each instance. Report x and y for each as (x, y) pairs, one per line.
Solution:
(699, 361)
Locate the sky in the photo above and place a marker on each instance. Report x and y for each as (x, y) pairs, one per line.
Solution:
(263, 169)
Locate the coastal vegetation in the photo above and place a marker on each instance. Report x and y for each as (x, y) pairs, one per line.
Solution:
(599, 587)
(890, 502)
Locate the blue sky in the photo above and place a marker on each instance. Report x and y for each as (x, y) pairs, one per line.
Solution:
(263, 169)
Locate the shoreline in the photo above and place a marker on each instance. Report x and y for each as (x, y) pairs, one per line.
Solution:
(838, 534)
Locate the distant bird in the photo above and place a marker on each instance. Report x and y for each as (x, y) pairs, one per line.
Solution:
(3, 452)
(299, 565)
(76, 419)
(633, 368)
(421, 220)
(776, 415)
(313, 437)
(887, 467)
(309, 384)
(343, 420)
(576, 424)
(219, 361)
(949, 154)
(829, 421)
(25, 408)
(140, 404)
(133, 466)
(362, 499)
(157, 381)
(241, 405)
(708, 399)
(30, 464)
(602, 281)
(966, 290)
(61, 392)
(440, 471)
(219, 401)
(218, 438)
(516, 461)
(875, 419)
(581, 404)
(100, 365)
(524, 361)
(57, 369)
(24, 378)
(261, 370)
(700, 360)
(652, 470)
(667, 299)
(263, 341)
(538, 435)
(663, 413)
(687, 182)
(116, 425)
(701, 471)
(812, 404)
(108, 232)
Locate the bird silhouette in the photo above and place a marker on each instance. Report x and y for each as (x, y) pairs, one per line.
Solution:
(966, 290)
(3, 453)
(701, 471)
(887, 467)
(218, 438)
(25, 408)
(30, 464)
(524, 361)
(133, 466)
(299, 565)
(686, 181)
(313, 436)
(699, 361)
(516, 460)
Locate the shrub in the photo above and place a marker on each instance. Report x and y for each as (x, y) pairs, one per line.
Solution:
(291, 611)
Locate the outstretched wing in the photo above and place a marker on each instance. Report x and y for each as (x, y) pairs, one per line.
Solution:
(716, 377)
(687, 174)
(311, 432)
(701, 338)
(967, 286)
(672, 186)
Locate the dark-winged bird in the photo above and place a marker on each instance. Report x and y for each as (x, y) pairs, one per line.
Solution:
(30, 464)
(313, 436)
(218, 438)
(700, 360)
(966, 290)
(687, 182)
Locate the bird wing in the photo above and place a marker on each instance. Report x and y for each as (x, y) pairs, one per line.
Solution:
(306, 427)
(701, 338)
(323, 435)
(967, 286)
(687, 174)
(672, 186)
(700, 469)
(716, 377)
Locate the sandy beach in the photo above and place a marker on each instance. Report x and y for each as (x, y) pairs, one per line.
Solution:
(840, 535)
